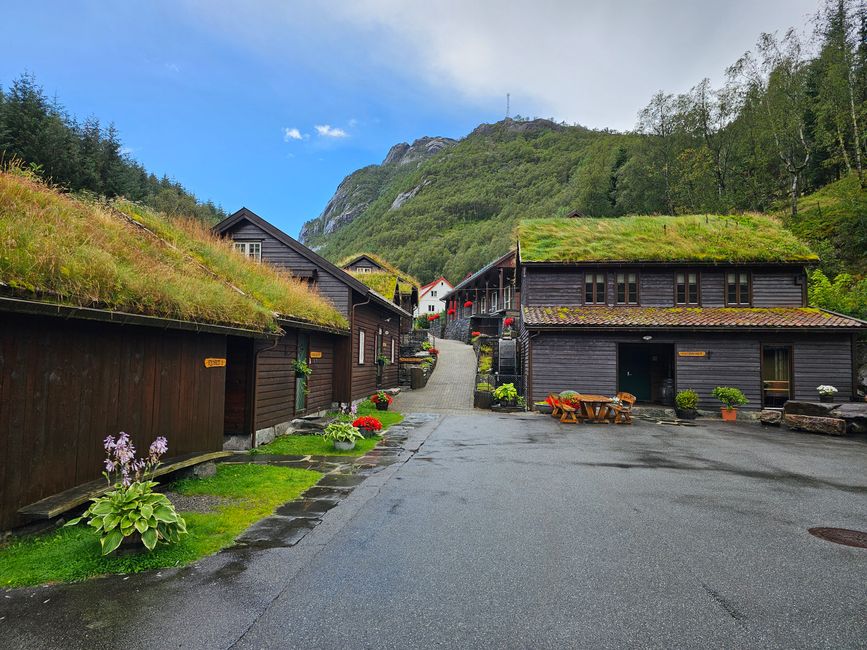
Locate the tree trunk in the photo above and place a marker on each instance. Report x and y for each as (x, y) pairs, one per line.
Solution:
(795, 195)
(843, 151)
(855, 129)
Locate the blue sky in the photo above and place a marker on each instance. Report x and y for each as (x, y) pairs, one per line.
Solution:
(212, 92)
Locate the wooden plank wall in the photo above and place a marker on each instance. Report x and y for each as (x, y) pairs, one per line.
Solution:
(65, 385)
(320, 392)
(277, 253)
(275, 382)
(370, 317)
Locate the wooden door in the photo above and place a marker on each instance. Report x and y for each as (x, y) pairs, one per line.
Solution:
(301, 380)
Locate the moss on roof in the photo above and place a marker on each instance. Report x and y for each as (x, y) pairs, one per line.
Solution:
(382, 282)
(694, 238)
(62, 249)
(405, 278)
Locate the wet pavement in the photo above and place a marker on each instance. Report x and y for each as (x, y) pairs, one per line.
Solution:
(516, 531)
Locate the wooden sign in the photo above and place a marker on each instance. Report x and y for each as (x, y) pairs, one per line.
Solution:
(215, 363)
(315, 355)
(687, 353)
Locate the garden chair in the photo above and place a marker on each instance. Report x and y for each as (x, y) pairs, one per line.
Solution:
(554, 400)
(570, 414)
(623, 410)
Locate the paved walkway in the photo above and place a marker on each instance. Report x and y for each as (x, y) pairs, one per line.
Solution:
(450, 389)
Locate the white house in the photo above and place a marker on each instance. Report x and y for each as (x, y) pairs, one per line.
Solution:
(430, 297)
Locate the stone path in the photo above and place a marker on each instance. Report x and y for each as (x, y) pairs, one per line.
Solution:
(450, 388)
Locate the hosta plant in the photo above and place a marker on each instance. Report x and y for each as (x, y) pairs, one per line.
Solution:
(341, 432)
(132, 507)
(506, 393)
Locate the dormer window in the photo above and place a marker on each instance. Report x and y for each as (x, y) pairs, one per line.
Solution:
(594, 288)
(627, 288)
(686, 288)
(737, 288)
(251, 249)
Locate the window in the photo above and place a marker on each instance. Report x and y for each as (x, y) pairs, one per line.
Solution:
(686, 288)
(360, 347)
(431, 308)
(433, 294)
(363, 269)
(392, 350)
(738, 288)
(484, 304)
(494, 300)
(507, 297)
(594, 288)
(627, 288)
(252, 249)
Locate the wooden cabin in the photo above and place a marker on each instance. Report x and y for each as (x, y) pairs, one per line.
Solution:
(387, 280)
(366, 360)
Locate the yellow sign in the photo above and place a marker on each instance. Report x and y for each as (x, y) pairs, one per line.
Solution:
(215, 363)
(315, 355)
(697, 353)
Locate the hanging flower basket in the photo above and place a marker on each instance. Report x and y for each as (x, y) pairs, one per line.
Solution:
(433, 317)
(508, 322)
(452, 311)
(468, 303)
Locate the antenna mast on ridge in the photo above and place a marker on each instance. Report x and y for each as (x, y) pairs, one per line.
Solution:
(507, 106)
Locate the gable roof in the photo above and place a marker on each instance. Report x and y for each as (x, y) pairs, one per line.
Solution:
(347, 278)
(687, 317)
(696, 238)
(431, 285)
(471, 278)
(120, 261)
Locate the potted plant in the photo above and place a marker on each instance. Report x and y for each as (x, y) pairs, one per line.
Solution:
(382, 360)
(367, 425)
(507, 327)
(826, 393)
(731, 398)
(468, 304)
(132, 514)
(686, 404)
(506, 394)
(381, 400)
(302, 369)
(426, 345)
(433, 352)
(482, 395)
(342, 434)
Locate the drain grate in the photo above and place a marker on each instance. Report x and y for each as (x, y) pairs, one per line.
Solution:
(843, 536)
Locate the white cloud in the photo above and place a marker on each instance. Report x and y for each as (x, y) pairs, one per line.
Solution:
(328, 131)
(291, 134)
(353, 123)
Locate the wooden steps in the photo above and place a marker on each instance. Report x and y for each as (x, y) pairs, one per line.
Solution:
(57, 504)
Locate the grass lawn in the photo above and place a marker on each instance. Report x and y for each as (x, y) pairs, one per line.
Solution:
(314, 445)
(73, 554)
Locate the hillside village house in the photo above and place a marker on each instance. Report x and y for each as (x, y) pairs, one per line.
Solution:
(387, 280)
(653, 305)
(366, 360)
(82, 359)
(431, 297)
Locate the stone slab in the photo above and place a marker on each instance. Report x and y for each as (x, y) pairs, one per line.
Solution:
(814, 424)
(815, 409)
(770, 417)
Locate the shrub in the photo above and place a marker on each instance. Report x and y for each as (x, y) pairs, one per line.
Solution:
(302, 368)
(132, 507)
(368, 422)
(506, 393)
(686, 400)
(484, 387)
(731, 397)
(341, 432)
(486, 362)
(427, 345)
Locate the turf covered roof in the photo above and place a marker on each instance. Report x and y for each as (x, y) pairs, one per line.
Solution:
(383, 282)
(124, 257)
(695, 238)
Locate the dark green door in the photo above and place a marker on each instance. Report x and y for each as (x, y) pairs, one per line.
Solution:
(301, 380)
(633, 371)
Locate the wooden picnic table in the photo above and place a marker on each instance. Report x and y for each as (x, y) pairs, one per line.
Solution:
(596, 407)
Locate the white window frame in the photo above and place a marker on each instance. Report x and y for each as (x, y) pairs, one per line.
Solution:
(507, 297)
(361, 342)
(251, 249)
(392, 349)
(494, 301)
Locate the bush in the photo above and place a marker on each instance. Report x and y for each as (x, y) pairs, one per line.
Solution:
(341, 431)
(484, 387)
(731, 397)
(686, 400)
(506, 393)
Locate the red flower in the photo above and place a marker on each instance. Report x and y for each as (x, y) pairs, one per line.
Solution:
(433, 317)
(452, 311)
(433, 351)
(507, 322)
(368, 422)
(468, 303)
(375, 398)
(475, 334)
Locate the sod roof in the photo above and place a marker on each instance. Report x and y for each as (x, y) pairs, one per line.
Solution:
(385, 281)
(123, 257)
(695, 238)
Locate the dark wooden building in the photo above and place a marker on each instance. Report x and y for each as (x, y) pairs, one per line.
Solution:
(367, 359)
(723, 309)
(387, 280)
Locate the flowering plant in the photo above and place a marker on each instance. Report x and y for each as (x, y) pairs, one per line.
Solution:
(433, 317)
(475, 334)
(433, 351)
(452, 311)
(381, 396)
(825, 389)
(468, 303)
(508, 322)
(368, 422)
(132, 507)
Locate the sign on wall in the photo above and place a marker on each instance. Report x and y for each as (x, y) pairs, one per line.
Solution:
(315, 355)
(692, 353)
(211, 362)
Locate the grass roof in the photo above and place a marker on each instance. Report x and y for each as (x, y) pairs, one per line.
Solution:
(383, 282)
(58, 248)
(405, 278)
(694, 238)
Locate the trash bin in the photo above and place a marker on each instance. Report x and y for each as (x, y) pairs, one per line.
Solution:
(668, 392)
(416, 378)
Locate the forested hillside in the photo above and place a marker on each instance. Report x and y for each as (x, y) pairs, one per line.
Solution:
(83, 156)
(788, 120)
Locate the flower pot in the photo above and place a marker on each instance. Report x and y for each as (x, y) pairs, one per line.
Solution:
(826, 398)
(367, 432)
(344, 445)
(381, 406)
(131, 545)
(729, 415)
(686, 414)
(482, 399)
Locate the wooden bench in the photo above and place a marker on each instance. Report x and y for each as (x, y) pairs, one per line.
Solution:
(57, 504)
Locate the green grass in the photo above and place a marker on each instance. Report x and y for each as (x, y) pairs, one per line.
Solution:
(81, 252)
(315, 445)
(699, 238)
(73, 554)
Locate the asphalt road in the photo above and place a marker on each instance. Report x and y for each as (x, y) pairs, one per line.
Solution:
(506, 531)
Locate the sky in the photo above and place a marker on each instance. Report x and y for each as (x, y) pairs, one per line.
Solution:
(268, 104)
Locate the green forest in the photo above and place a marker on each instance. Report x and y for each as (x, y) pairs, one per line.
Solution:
(83, 156)
(784, 134)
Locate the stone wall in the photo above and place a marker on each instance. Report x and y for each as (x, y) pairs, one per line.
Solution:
(457, 329)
